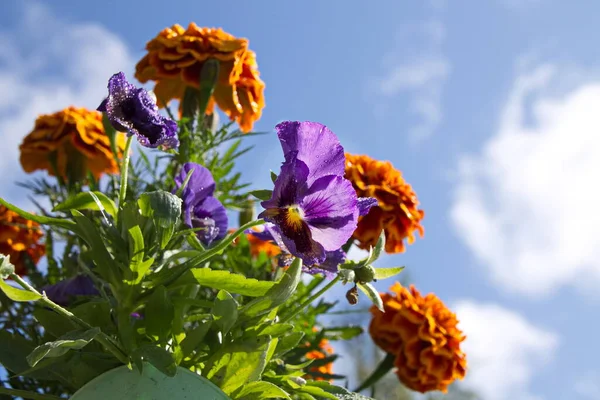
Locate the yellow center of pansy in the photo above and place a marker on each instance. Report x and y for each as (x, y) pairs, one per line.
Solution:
(294, 217)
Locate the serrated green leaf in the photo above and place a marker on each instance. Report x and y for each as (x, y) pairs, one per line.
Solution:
(278, 294)
(159, 314)
(16, 294)
(372, 294)
(263, 194)
(72, 340)
(261, 390)
(383, 273)
(96, 201)
(225, 311)
(157, 356)
(225, 280)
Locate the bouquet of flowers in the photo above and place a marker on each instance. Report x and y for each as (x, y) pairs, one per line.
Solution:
(148, 281)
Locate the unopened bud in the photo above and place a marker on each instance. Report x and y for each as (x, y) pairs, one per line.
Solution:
(365, 274)
(6, 268)
(352, 296)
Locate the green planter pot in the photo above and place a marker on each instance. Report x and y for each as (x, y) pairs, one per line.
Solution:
(123, 384)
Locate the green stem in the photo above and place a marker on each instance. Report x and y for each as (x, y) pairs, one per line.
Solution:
(383, 368)
(28, 395)
(311, 299)
(102, 337)
(125, 171)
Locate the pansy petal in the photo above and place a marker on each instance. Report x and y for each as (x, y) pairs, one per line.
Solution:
(200, 185)
(331, 211)
(329, 267)
(315, 145)
(365, 204)
(212, 208)
(290, 185)
(309, 251)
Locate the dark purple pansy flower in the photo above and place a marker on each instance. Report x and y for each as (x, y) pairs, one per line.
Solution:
(313, 208)
(200, 208)
(64, 291)
(329, 267)
(134, 111)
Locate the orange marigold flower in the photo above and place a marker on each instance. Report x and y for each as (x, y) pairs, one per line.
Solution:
(175, 59)
(19, 237)
(325, 350)
(422, 333)
(75, 139)
(396, 213)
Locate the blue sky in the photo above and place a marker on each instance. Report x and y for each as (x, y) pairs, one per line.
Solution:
(488, 108)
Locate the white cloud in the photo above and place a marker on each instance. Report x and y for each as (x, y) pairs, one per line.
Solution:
(49, 64)
(503, 349)
(526, 206)
(418, 68)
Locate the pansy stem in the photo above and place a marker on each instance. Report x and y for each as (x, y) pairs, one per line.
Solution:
(311, 299)
(102, 337)
(125, 171)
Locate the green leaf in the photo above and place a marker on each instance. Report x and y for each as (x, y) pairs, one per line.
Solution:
(194, 338)
(225, 280)
(382, 369)
(288, 342)
(316, 391)
(238, 363)
(107, 268)
(383, 273)
(40, 219)
(159, 357)
(165, 209)
(273, 176)
(225, 311)
(159, 314)
(379, 246)
(72, 340)
(112, 135)
(136, 253)
(6, 268)
(96, 201)
(162, 206)
(261, 390)
(277, 330)
(53, 323)
(343, 332)
(14, 351)
(263, 194)
(279, 293)
(338, 391)
(372, 294)
(16, 294)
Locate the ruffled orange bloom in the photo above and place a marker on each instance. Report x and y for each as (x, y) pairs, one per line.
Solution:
(396, 213)
(175, 59)
(325, 350)
(19, 238)
(422, 333)
(75, 139)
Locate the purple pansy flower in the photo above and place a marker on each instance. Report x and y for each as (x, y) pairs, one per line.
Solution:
(329, 267)
(134, 111)
(63, 292)
(200, 208)
(313, 208)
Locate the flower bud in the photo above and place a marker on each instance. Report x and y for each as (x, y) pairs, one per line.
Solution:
(365, 274)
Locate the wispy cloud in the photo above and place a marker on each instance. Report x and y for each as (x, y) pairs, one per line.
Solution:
(48, 64)
(526, 206)
(417, 68)
(503, 349)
